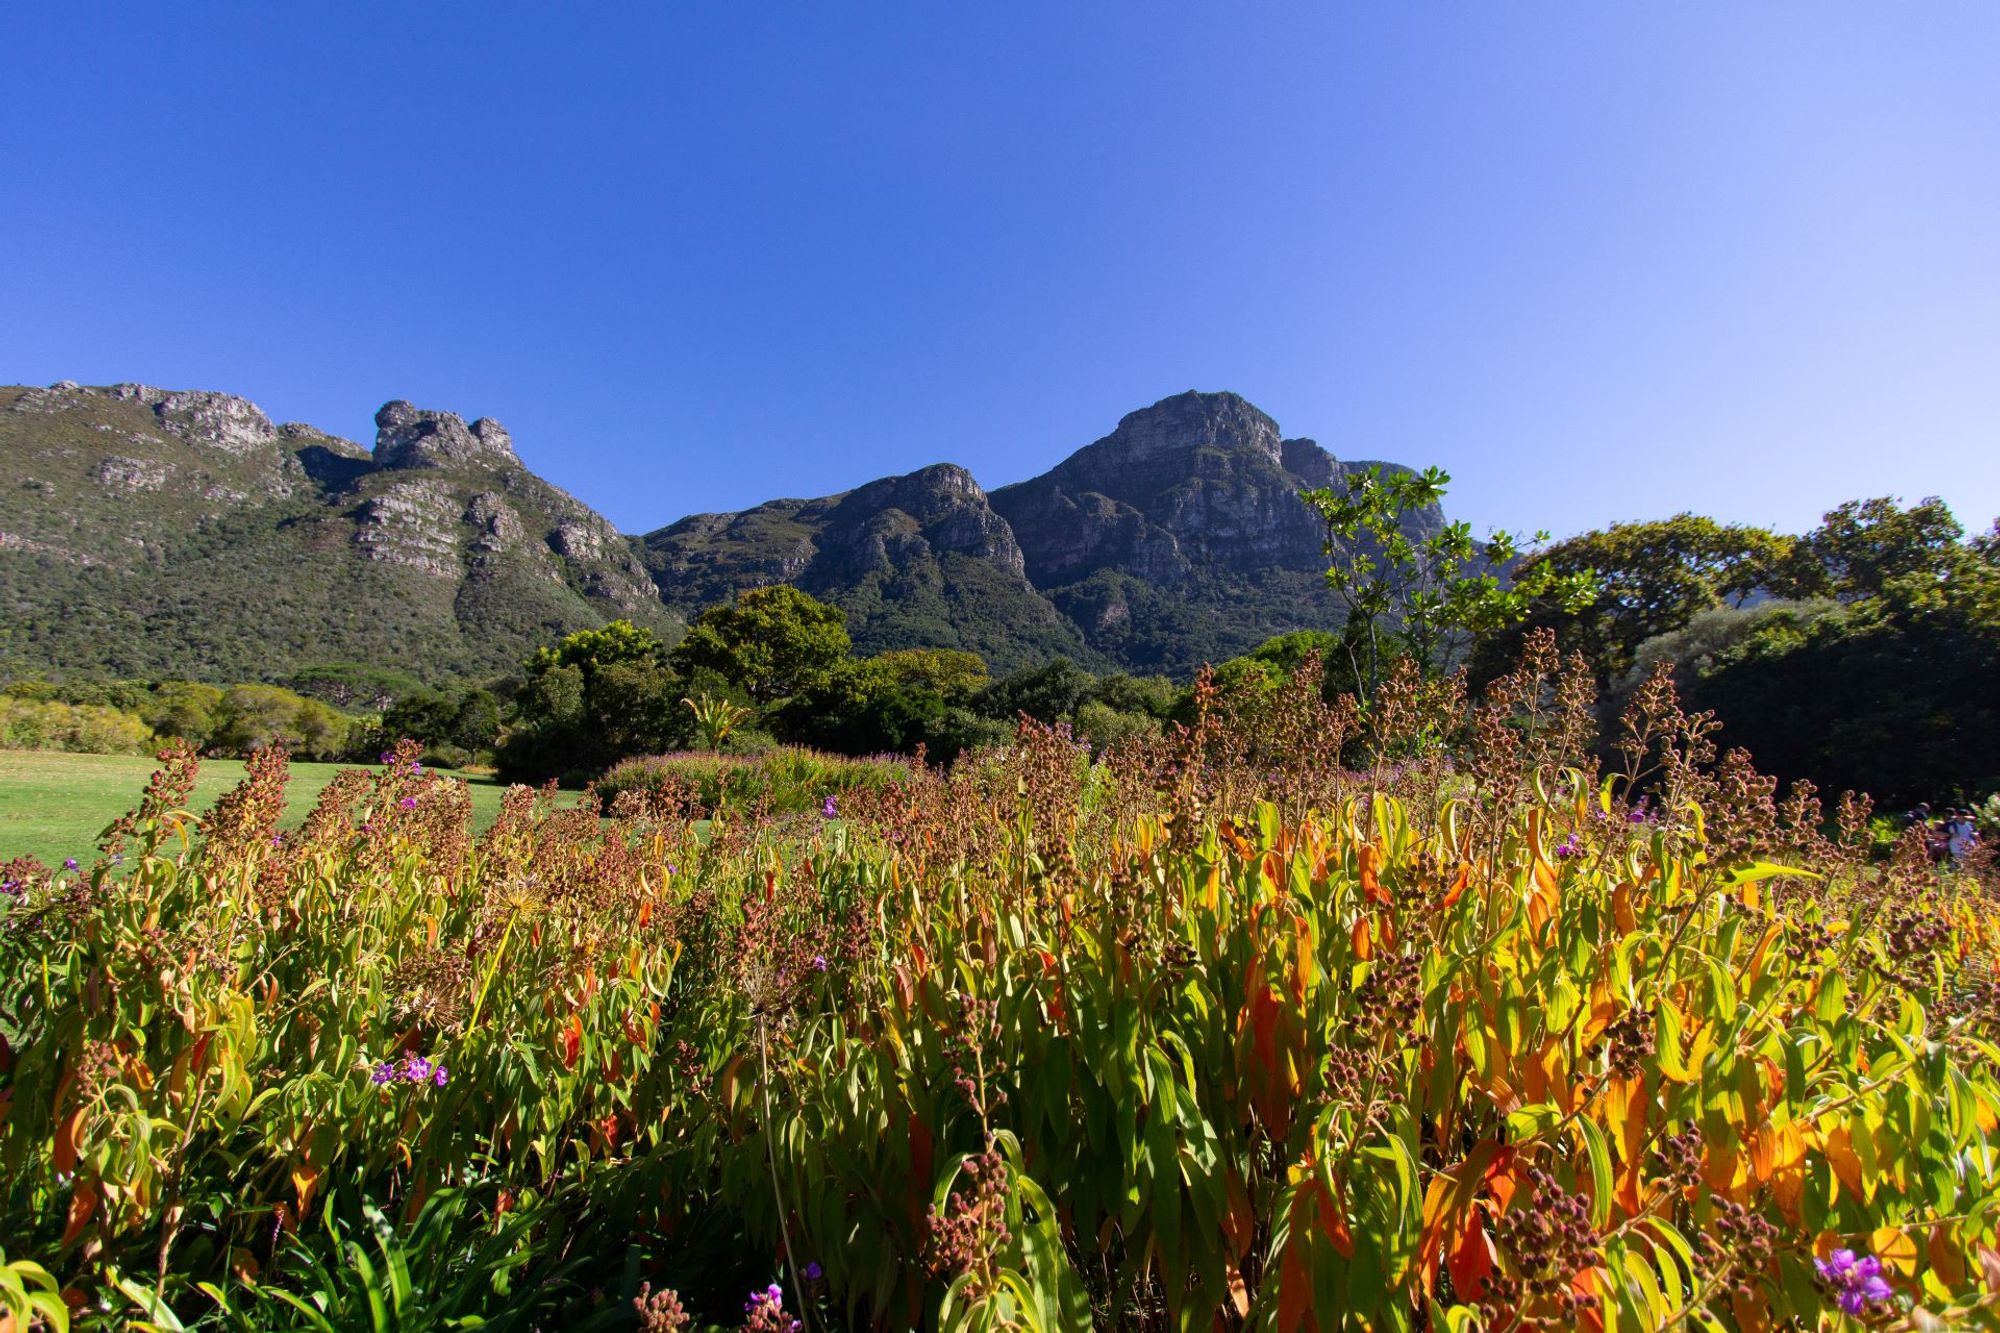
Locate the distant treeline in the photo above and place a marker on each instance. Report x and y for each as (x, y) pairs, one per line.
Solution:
(1863, 654)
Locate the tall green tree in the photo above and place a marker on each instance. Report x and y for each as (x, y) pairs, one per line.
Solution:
(1650, 579)
(773, 642)
(1426, 597)
(1862, 547)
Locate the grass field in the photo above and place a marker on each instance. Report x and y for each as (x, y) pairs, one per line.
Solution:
(53, 805)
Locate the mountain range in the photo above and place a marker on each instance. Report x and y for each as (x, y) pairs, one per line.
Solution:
(154, 533)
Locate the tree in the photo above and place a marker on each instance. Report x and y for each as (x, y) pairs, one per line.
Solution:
(773, 642)
(1862, 546)
(589, 649)
(1425, 598)
(1048, 693)
(184, 708)
(1651, 578)
(953, 674)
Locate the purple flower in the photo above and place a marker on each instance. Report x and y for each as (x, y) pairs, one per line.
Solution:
(69, 863)
(440, 1078)
(416, 765)
(388, 756)
(409, 802)
(416, 1069)
(384, 1073)
(827, 808)
(1857, 1283)
(1569, 847)
(819, 962)
(813, 1272)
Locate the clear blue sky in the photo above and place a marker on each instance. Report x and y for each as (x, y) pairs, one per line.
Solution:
(1600, 261)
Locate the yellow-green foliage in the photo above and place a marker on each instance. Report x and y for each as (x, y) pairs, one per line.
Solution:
(1045, 1044)
(47, 724)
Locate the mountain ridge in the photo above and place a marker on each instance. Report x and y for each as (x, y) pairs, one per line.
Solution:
(1174, 539)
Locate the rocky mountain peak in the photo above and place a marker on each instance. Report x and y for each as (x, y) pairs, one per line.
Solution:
(410, 437)
(1190, 421)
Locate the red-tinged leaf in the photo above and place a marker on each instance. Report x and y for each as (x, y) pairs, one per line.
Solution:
(67, 1129)
(572, 1041)
(1589, 1283)
(1458, 885)
(1333, 1221)
(82, 1205)
(1371, 884)
(1448, 1205)
(1295, 1294)
(1473, 1260)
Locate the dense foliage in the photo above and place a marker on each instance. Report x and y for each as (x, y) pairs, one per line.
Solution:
(1861, 654)
(131, 717)
(1209, 1032)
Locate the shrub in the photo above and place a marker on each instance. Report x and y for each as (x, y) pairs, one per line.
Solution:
(785, 779)
(32, 724)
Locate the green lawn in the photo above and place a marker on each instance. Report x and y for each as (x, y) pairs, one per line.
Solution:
(53, 805)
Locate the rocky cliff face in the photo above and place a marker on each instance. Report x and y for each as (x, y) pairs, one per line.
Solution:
(1178, 538)
(915, 560)
(157, 532)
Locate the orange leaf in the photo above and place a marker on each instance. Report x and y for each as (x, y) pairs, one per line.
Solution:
(1448, 1204)
(1621, 910)
(1457, 889)
(572, 1041)
(67, 1130)
(1473, 1260)
(1846, 1165)
(1295, 1296)
(304, 1179)
(1371, 884)
(81, 1205)
(1358, 940)
(1333, 1221)
(1239, 1294)
(1302, 959)
(1947, 1259)
(1893, 1246)
(1591, 1316)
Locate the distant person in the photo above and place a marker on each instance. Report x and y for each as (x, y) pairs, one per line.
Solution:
(1960, 836)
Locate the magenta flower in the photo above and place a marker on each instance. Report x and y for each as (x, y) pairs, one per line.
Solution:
(409, 802)
(69, 863)
(819, 962)
(1857, 1283)
(1569, 847)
